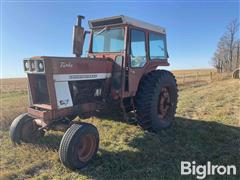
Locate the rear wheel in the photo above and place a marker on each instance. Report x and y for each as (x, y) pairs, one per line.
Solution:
(156, 100)
(24, 129)
(79, 145)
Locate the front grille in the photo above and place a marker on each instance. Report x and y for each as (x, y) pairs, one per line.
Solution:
(40, 89)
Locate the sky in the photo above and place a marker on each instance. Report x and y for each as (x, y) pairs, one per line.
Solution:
(35, 28)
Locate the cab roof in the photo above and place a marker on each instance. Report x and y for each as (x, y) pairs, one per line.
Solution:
(118, 20)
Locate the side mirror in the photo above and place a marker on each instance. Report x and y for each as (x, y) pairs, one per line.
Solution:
(78, 37)
(167, 54)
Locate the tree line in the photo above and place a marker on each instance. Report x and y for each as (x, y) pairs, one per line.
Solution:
(227, 56)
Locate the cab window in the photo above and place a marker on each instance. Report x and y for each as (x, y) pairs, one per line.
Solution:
(108, 40)
(86, 45)
(138, 49)
(157, 46)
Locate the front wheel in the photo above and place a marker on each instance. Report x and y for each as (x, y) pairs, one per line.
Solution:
(24, 129)
(79, 145)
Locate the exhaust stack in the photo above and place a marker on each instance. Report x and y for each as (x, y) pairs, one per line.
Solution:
(78, 37)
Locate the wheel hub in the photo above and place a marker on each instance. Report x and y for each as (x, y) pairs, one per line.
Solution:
(164, 102)
(30, 132)
(86, 147)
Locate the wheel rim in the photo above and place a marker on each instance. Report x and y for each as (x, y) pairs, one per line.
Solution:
(86, 147)
(164, 103)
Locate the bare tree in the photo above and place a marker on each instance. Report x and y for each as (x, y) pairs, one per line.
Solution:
(220, 59)
(237, 54)
(231, 38)
(226, 58)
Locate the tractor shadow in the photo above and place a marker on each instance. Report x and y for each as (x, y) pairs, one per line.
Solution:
(50, 140)
(111, 114)
(159, 156)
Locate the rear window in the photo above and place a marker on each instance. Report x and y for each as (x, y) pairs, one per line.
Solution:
(157, 46)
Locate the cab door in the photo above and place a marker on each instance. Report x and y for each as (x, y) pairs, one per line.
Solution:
(137, 58)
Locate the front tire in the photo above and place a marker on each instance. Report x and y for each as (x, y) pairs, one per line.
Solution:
(79, 145)
(24, 129)
(156, 100)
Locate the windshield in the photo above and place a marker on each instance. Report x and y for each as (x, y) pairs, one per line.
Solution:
(108, 40)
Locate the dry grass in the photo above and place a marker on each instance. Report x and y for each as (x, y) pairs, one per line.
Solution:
(206, 129)
(13, 84)
(14, 100)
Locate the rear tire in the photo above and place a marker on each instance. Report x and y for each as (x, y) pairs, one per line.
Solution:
(156, 100)
(79, 145)
(23, 129)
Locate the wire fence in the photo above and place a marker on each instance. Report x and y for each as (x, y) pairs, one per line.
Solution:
(198, 78)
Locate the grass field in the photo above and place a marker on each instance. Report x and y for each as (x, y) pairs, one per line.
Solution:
(206, 128)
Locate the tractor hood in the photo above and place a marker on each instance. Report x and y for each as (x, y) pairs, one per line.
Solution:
(59, 86)
(70, 67)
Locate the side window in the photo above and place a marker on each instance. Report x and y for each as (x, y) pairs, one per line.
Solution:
(157, 46)
(116, 40)
(138, 50)
(98, 43)
(86, 45)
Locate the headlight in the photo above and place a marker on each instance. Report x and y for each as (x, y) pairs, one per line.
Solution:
(32, 65)
(40, 66)
(26, 65)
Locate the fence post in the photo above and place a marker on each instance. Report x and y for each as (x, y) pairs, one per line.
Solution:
(183, 79)
(210, 76)
(196, 77)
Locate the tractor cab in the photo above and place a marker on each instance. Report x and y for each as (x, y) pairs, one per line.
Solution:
(122, 35)
(136, 47)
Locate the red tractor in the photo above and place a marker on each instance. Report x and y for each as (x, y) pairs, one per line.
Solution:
(123, 65)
